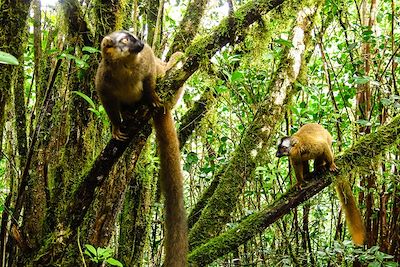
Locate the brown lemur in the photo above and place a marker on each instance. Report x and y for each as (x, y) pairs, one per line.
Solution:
(313, 142)
(127, 75)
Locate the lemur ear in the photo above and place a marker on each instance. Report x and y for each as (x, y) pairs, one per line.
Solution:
(284, 141)
(293, 141)
(107, 42)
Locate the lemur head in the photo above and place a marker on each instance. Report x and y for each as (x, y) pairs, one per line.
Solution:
(284, 147)
(120, 45)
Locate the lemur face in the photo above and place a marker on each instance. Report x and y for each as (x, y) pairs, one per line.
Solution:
(284, 147)
(121, 44)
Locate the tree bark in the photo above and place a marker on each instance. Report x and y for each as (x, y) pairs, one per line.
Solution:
(189, 25)
(14, 15)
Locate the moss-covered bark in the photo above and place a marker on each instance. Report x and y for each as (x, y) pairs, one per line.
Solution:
(13, 18)
(75, 21)
(109, 17)
(136, 215)
(98, 227)
(75, 78)
(257, 138)
(11, 38)
(151, 10)
(189, 26)
(196, 211)
(369, 147)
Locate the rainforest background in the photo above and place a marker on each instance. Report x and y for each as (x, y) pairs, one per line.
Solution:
(253, 71)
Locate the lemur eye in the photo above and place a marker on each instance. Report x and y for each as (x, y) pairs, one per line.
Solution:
(124, 41)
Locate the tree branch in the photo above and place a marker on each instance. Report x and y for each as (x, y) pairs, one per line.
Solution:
(139, 130)
(77, 25)
(189, 26)
(204, 47)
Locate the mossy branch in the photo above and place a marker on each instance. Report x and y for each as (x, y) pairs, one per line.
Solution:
(139, 131)
(189, 25)
(367, 148)
(204, 47)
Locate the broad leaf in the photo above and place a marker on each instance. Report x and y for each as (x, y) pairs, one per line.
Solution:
(114, 262)
(87, 98)
(6, 58)
(91, 249)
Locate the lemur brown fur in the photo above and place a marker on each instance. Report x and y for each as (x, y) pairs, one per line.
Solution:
(127, 74)
(313, 142)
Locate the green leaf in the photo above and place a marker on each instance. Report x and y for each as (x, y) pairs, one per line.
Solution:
(91, 249)
(192, 158)
(81, 63)
(374, 264)
(373, 249)
(284, 42)
(352, 46)
(368, 32)
(237, 75)
(88, 253)
(6, 58)
(361, 80)
(104, 253)
(95, 111)
(221, 89)
(87, 98)
(69, 56)
(364, 122)
(386, 102)
(90, 49)
(114, 262)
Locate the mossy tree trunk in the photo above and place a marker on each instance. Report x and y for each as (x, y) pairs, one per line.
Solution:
(189, 25)
(364, 111)
(12, 39)
(13, 17)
